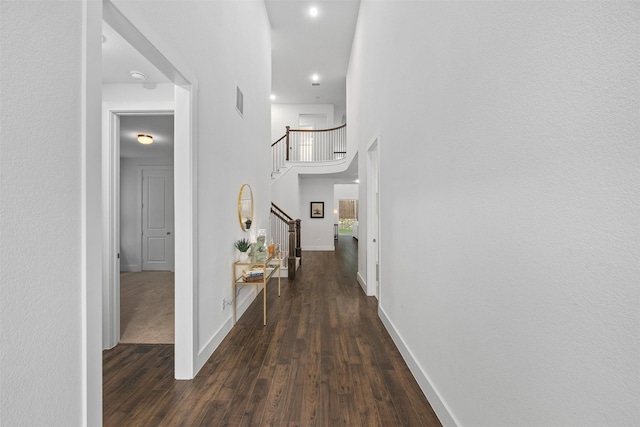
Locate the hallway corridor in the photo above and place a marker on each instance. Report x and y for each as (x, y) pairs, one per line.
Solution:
(324, 359)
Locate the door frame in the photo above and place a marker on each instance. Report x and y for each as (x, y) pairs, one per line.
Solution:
(373, 287)
(185, 188)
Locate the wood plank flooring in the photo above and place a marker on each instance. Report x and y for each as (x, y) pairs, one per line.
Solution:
(324, 359)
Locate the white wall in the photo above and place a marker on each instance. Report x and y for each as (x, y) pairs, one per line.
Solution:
(130, 221)
(513, 128)
(221, 44)
(285, 193)
(47, 357)
(316, 233)
(283, 115)
(136, 94)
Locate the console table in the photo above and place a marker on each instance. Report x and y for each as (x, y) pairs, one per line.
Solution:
(269, 268)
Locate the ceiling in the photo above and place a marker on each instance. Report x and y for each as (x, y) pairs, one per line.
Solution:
(160, 126)
(302, 45)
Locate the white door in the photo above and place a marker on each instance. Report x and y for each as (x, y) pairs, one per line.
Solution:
(373, 220)
(157, 219)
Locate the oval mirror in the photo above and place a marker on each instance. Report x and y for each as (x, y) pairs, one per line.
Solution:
(245, 207)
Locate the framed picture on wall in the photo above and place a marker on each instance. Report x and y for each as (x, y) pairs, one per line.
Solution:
(317, 209)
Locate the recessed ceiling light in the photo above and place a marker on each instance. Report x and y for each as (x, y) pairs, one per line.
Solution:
(313, 11)
(145, 139)
(315, 77)
(273, 97)
(138, 75)
(357, 181)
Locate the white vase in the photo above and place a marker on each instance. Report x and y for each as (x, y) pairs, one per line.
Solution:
(243, 257)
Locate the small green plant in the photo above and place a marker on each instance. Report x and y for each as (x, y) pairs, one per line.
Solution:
(242, 245)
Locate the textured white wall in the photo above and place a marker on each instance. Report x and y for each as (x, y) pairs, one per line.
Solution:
(221, 44)
(41, 350)
(509, 132)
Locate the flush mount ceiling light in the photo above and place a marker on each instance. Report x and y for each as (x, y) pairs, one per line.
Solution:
(313, 11)
(138, 75)
(145, 139)
(315, 77)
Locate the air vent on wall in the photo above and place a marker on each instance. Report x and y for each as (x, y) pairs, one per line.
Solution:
(239, 100)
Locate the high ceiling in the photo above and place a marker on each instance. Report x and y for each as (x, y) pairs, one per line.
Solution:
(302, 45)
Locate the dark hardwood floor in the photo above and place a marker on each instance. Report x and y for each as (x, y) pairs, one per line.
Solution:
(324, 359)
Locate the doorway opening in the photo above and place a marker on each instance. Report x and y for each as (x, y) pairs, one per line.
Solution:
(147, 283)
(347, 216)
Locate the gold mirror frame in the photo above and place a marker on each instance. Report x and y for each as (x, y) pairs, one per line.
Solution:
(245, 207)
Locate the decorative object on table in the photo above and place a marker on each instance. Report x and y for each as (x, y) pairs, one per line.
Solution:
(243, 247)
(245, 207)
(317, 209)
(259, 250)
(254, 274)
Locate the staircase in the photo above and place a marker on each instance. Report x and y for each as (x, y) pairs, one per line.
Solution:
(285, 232)
(300, 151)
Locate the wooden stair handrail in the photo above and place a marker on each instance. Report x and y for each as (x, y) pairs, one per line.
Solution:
(291, 241)
(316, 130)
(280, 210)
(281, 138)
(273, 211)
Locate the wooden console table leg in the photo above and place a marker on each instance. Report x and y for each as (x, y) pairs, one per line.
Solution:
(233, 272)
(264, 309)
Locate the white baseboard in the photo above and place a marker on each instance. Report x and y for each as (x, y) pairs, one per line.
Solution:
(363, 283)
(319, 248)
(131, 267)
(245, 299)
(205, 352)
(442, 411)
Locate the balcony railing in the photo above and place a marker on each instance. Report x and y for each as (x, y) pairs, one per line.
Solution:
(304, 145)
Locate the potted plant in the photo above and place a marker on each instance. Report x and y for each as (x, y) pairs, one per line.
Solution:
(243, 246)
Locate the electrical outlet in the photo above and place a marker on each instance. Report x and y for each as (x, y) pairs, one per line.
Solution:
(224, 303)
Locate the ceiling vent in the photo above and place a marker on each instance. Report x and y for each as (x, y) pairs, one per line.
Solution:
(315, 84)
